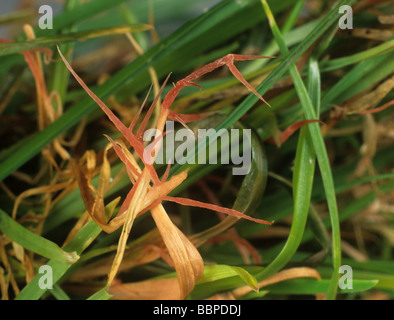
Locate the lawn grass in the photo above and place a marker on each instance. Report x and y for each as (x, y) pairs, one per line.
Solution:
(328, 187)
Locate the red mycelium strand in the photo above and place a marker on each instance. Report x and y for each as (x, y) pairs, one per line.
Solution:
(212, 207)
(29, 58)
(226, 60)
(291, 129)
(166, 173)
(186, 118)
(376, 110)
(137, 144)
(126, 202)
(149, 113)
(131, 170)
(131, 138)
(134, 121)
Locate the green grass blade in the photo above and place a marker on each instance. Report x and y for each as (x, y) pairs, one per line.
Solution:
(100, 295)
(59, 294)
(358, 79)
(82, 240)
(302, 187)
(358, 57)
(321, 152)
(217, 272)
(31, 241)
(307, 286)
(16, 47)
(314, 83)
(78, 14)
(273, 47)
(59, 79)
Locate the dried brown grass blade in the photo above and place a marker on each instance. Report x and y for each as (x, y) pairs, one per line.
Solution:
(158, 289)
(35, 191)
(187, 260)
(231, 212)
(131, 213)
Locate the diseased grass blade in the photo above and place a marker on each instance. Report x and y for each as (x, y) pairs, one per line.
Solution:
(231, 212)
(180, 46)
(339, 76)
(278, 72)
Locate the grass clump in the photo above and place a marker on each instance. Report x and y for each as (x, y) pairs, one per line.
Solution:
(77, 186)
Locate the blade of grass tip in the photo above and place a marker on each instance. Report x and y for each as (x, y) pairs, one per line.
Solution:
(222, 271)
(33, 242)
(314, 90)
(130, 17)
(321, 152)
(79, 243)
(100, 295)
